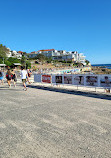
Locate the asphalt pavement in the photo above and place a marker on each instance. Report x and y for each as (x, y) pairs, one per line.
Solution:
(45, 123)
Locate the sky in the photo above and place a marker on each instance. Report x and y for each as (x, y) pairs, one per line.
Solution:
(71, 25)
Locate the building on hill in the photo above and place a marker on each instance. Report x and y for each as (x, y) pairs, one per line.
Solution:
(78, 58)
(13, 54)
(19, 54)
(33, 54)
(9, 53)
(70, 56)
(48, 52)
(60, 55)
(16, 54)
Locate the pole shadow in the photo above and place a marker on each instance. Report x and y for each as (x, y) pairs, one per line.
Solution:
(74, 92)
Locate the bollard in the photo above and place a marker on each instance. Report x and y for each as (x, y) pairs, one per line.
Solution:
(77, 87)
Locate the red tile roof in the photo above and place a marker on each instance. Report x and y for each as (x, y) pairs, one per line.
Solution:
(33, 52)
(20, 52)
(46, 50)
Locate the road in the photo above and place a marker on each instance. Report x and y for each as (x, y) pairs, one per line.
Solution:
(40, 123)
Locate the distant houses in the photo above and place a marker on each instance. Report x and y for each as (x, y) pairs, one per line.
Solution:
(14, 54)
(60, 55)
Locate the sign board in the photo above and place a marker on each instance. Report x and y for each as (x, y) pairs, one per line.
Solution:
(53, 79)
(67, 79)
(79, 80)
(91, 80)
(75, 79)
(105, 81)
(37, 77)
(46, 78)
(58, 79)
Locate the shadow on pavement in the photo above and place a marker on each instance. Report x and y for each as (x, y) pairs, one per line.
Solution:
(10, 89)
(87, 94)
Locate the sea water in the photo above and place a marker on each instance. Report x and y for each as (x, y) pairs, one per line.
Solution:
(108, 66)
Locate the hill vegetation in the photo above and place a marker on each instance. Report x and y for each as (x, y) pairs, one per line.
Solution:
(40, 59)
(11, 60)
(3, 51)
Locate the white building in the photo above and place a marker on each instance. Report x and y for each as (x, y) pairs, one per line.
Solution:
(82, 58)
(33, 54)
(48, 52)
(13, 54)
(8, 54)
(16, 54)
(60, 55)
(19, 55)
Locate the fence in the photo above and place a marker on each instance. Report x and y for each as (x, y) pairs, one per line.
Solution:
(88, 80)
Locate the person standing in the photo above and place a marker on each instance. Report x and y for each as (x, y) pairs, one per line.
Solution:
(9, 77)
(14, 78)
(1, 77)
(29, 72)
(24, 75)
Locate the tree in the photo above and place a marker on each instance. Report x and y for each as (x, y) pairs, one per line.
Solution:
(1, 61)
(8, 63)
(23, 60)
(3, 52)
(49, 60)
(87, 62)
(2, 56)
(78, 64)
(41, 57)
(28, 65)
(24, 53)
(27, 55)
(13, 60)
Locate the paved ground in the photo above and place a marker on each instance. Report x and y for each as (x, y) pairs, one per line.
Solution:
(44, 123)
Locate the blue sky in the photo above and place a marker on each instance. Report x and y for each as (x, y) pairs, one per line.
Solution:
(72, 25)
